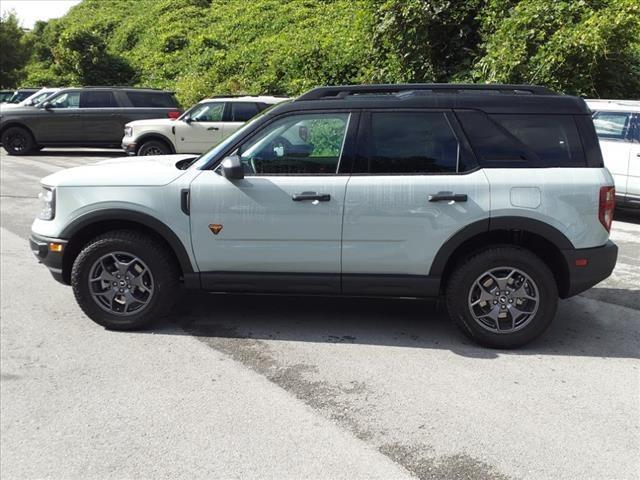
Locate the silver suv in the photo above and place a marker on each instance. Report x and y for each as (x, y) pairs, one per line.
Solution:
(494, 197)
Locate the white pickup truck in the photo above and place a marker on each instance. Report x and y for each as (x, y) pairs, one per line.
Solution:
(198, 129)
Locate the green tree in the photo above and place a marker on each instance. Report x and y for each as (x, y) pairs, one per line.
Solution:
(584, 47)
(14, 51)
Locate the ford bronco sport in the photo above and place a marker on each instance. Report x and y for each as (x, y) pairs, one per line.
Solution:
(494, 196)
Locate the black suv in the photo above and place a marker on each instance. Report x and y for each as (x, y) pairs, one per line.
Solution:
(82, 117)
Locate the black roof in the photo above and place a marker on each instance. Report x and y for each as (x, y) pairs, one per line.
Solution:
(494, 98)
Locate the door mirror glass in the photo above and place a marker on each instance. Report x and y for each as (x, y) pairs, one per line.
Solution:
(232, 168)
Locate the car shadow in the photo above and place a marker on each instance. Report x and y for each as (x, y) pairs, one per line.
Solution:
(78, 153)
(582, 327)
(629, 215)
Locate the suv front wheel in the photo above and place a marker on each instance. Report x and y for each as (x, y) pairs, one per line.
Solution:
(125, 280)
(18, 141)
(502, 297)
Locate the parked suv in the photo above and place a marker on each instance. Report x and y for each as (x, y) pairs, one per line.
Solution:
(82, 117)
(617, 125)
(494, 196)
(198, 129)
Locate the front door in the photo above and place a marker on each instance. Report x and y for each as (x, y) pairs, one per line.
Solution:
(61, 121)
(279, 228)
(203, 129)
(407, 196)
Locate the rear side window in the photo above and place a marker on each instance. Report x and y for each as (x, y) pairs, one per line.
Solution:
(553, 138)
(152, 99)
(97, 99)
(529, 141)
(243, 111)
(612, 125)
(408, 143)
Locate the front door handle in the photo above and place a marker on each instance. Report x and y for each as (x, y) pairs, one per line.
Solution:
(448, 197)
(213, 128)
(320, 197)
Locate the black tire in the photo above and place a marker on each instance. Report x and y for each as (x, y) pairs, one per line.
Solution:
(463, 279)
(160, 262)
(154, 147)
(18, 141)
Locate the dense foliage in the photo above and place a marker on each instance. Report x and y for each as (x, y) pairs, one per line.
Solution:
(206, 47)
(14, 50)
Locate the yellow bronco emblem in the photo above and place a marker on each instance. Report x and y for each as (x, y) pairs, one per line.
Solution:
(215, 228)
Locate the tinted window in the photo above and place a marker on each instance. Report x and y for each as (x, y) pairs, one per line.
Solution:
(409, 142)
(66, 100)
(612, 125)
(243, 111)
(97, 99)
(297, 145)
(553, 138)
(207, 112)
(152, 99)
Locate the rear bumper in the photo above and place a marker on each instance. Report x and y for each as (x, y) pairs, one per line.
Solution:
(41, 248)
(600, 262)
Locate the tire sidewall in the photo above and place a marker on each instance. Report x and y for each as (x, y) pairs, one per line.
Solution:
(164, 284)
(28, 140)
(521, 259)
(153, 143)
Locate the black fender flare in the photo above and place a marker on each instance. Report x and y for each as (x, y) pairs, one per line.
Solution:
(505, 223)
(160, 228)
(158, 136)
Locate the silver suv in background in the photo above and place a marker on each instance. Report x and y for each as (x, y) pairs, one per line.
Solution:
(617, 124)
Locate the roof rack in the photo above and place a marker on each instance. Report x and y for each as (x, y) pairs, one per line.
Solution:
(453, 88)
(120, 86)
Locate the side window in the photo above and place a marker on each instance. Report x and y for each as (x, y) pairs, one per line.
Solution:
(409, 143)
(207, 112)
(97, 99)
(66, 100)
(612, 125)
(243, 111)
(553, 138)
(152, 99)
(305, 144)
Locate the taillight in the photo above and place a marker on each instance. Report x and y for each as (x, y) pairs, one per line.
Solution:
(173, 114)
(607, 206)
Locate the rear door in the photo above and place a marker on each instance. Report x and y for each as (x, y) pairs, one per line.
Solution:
(614, 134)
(410, 191)
(100, 117)
(237, 114)
(203, 129)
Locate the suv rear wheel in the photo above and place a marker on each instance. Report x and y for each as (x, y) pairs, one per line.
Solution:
(502, 297)
(18, 141)
(125, 280)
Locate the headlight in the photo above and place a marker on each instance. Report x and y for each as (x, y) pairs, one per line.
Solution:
(128, 131)
(47, 199)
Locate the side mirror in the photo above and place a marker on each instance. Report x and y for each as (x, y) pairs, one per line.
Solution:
(232, 168)
(187, 119)
(45, 105)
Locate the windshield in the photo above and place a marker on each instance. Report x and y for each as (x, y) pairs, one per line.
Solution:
(37, 97)
(207, 156)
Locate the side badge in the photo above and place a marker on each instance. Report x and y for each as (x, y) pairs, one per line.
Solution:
(215, 228)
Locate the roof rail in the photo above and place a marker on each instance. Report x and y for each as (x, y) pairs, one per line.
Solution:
(120, 87)
(344, 91)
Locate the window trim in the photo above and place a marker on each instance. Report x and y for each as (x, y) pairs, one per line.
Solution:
(464, 148)
(347, 147)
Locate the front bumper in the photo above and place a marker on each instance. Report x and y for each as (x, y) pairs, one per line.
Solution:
(129, 148)
(589, 266)
(46, 251)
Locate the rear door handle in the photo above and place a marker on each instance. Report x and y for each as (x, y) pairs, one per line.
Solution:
(213, 128)
(320, 197)
(448, 197)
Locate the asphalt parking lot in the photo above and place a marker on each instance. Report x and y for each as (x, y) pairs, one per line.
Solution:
(293, 387)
